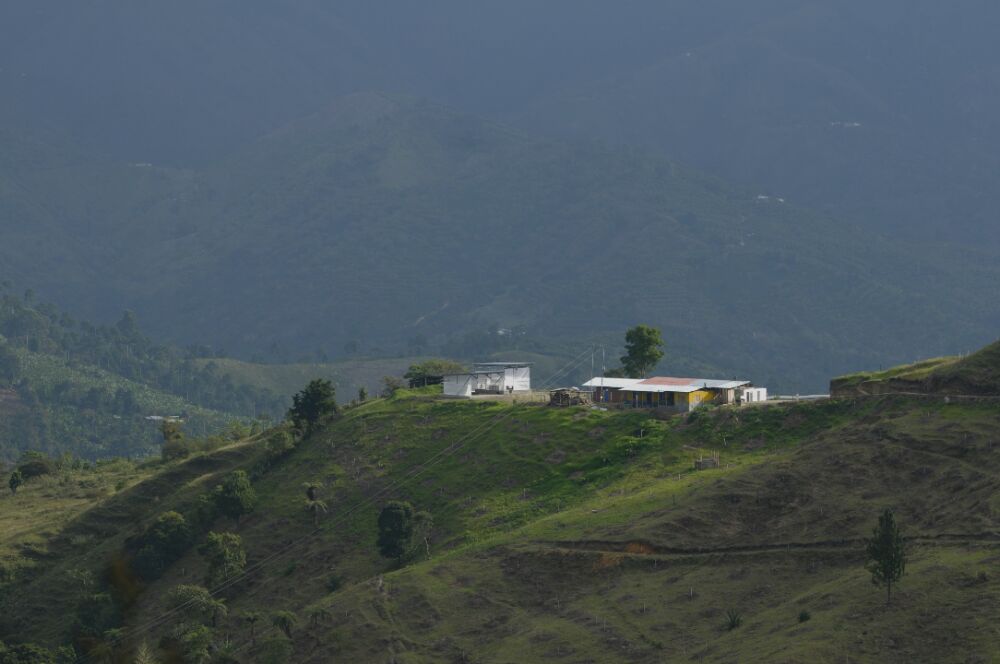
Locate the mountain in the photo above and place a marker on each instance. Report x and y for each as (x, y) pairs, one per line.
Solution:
(388, 222)
(559, 534)
(185, 82)
(881, 113)
(72, 389)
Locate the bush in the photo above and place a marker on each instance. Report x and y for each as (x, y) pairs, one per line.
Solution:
(164, 542)
(35, 465)
(235, 496)
(333, 583)
(175, 449)
(804, 616)
(733, 619)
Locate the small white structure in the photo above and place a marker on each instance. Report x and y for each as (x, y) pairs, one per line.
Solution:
(490, 378)
(753, 395)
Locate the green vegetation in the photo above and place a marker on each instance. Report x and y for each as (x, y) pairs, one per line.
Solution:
(16, 480)
(382, 169)
(886, 553)
(643, 351)
(311, 405)
(235, 497)
(431, 372)
(225, 557)
(585, 534)
(977, 374)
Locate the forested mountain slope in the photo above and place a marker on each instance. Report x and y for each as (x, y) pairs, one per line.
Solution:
(558, 535)
(882, 112)
(393, 221)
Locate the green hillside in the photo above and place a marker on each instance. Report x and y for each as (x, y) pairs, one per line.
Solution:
(562, 535)
(479, 228)
(973, 375)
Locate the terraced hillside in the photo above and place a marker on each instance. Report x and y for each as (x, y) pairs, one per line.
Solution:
(574, 535)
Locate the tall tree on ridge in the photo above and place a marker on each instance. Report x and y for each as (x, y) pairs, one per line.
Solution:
(643, 350)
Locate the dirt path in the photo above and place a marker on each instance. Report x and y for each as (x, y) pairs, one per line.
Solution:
(646, 549)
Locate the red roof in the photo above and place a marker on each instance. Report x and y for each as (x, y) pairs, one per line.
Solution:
(658, 380)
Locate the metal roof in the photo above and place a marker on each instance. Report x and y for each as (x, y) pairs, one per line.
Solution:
(511, 365)
(666, 384)
(613, 383)
(643, 387)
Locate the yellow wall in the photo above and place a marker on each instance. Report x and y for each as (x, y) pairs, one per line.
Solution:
(699, 397)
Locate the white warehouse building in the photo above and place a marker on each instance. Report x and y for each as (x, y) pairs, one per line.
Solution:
(490, 378)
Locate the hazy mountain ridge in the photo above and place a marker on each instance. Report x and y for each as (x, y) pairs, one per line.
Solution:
(389, 218)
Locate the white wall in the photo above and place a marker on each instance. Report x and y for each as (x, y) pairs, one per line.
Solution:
(522, 379)
(458, 386)
(754, 394)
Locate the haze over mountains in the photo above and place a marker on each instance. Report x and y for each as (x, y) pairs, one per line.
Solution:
(257, 175)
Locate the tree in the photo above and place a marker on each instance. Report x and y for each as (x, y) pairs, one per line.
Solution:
(225, 556)
(10, 364)
(643, 350)
(315, 402)
(162, 543)
(235, 496)
(196, 603)
(362, 394)
(174, 446)
(391, 385)
(16, 480)
(144, 655)
(285, 621)
(395, 529)
(886, 553)
(431, 372)
(314, 505)
(252, 618)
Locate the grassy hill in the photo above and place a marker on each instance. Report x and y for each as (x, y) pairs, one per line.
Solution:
(976, 374)
(577, 535)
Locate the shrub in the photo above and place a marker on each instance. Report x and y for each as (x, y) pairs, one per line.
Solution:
(333, 583)
(162, 543)
(225, 555)
(804, 616)
(35, 465)
(733, 619)
(235, 496)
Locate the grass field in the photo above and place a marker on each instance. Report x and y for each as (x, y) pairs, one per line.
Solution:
(579, 535)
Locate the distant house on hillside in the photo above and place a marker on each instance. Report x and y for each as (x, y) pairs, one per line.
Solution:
(490, 378)
(680, 394)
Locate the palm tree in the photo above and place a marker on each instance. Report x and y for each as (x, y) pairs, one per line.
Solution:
(315, 507)
(313, 504)
(252, 618)
(285, 621)
(143, 655)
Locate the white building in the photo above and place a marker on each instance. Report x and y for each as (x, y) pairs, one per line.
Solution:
(490, 378)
